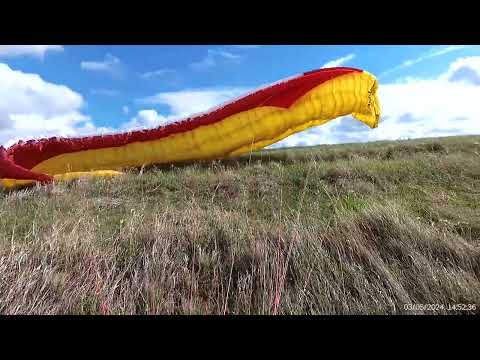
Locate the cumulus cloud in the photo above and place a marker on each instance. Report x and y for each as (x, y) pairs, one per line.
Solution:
(465, 69)
(32, 107)
(339, 62)
(313, 136)
(188, 102)
(145, 119)
(212, 58)
(38, 51)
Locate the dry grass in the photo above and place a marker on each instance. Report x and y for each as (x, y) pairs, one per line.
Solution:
(282, 232)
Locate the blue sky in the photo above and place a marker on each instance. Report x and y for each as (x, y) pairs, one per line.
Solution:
(48, 90)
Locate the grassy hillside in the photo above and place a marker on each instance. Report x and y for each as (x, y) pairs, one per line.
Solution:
(344, 229)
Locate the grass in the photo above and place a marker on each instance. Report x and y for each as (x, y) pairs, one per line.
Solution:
(344, 229)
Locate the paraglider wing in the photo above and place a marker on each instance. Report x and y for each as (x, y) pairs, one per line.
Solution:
(249, 123)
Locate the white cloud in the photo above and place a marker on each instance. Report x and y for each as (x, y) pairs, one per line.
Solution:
(28, 50)
(315, 136)
(31, 107)
(339, 61)
(212, 57)
(156, 73)
(145, 119)
(465, 69)
(188, 102)
(431, 54)
(109, 64)
(125, 109)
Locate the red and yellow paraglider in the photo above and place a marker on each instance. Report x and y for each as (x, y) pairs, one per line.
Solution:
(252, 122)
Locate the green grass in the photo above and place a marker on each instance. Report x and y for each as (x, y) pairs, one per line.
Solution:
(344, 229)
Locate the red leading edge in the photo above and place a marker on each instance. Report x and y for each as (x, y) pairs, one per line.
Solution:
(10, 170)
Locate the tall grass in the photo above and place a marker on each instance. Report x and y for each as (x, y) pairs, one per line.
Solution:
(330, 230)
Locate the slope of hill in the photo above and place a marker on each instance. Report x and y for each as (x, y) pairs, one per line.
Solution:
(387, 227)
